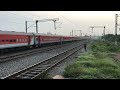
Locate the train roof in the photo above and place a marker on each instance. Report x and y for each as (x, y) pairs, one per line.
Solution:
(15, 33)
(30, 33)
(50, 35)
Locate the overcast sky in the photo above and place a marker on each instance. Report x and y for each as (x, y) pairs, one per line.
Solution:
(68, 21)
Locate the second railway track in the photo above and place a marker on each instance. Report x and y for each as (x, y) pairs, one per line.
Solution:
(38, 70)
(28, 53)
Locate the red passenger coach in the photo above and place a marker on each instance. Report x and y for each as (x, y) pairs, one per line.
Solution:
(49, 39)
(14, 39)
(45, 39)
(67, 38)
(10, 39)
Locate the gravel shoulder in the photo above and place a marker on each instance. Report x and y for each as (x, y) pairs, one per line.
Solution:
(10, 67)
(59, 69)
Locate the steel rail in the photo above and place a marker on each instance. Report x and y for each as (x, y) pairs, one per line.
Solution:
(28, 53)
(38, 70)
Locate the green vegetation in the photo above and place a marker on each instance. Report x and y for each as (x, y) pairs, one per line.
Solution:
(101, 46)
(96, 64)
(90, 66)
(111, 37)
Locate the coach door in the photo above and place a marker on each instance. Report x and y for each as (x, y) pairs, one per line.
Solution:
(39, 41)
(28, 40)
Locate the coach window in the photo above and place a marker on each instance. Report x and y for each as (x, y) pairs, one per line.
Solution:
(6, 40)
(14, 40)
(17, 40)
(3, 40)
(10, 40)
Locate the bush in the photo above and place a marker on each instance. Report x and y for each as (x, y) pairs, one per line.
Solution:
(73, 71)
(101, 46)
(93, 65)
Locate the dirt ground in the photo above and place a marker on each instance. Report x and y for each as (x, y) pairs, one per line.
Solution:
(116, 56)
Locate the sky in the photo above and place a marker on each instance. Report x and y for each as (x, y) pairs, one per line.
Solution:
(68, 21)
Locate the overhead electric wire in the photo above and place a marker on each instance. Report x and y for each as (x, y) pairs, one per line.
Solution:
(30, 25)
(59, 24)
(67, 19)
(13, 13)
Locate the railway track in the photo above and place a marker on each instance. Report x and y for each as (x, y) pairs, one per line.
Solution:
(40, 69)
(28, 53)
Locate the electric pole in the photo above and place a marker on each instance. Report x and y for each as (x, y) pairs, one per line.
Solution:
(44, 20)
(36, 26)
(104, 31)
(26, 25)
(99, 27)
(92, 29)
(54, 24)
(116, 29)
(72, 32)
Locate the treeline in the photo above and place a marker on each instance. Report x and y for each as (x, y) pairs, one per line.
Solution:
(111, 37)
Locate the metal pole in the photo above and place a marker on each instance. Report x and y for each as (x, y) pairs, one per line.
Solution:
(26, 25)
(36, 26)
(104, 31)
(54, 24)
(80, 32)
(72, 32)
(116, 29)
(92, 29)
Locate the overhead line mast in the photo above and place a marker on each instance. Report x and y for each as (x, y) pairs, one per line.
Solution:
(44, 20)
(99, 27)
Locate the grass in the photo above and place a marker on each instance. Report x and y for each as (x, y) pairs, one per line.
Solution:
(93, 65)
(97, 64)
(102, 46)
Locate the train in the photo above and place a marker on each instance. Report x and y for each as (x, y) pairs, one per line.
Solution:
(12, 39)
